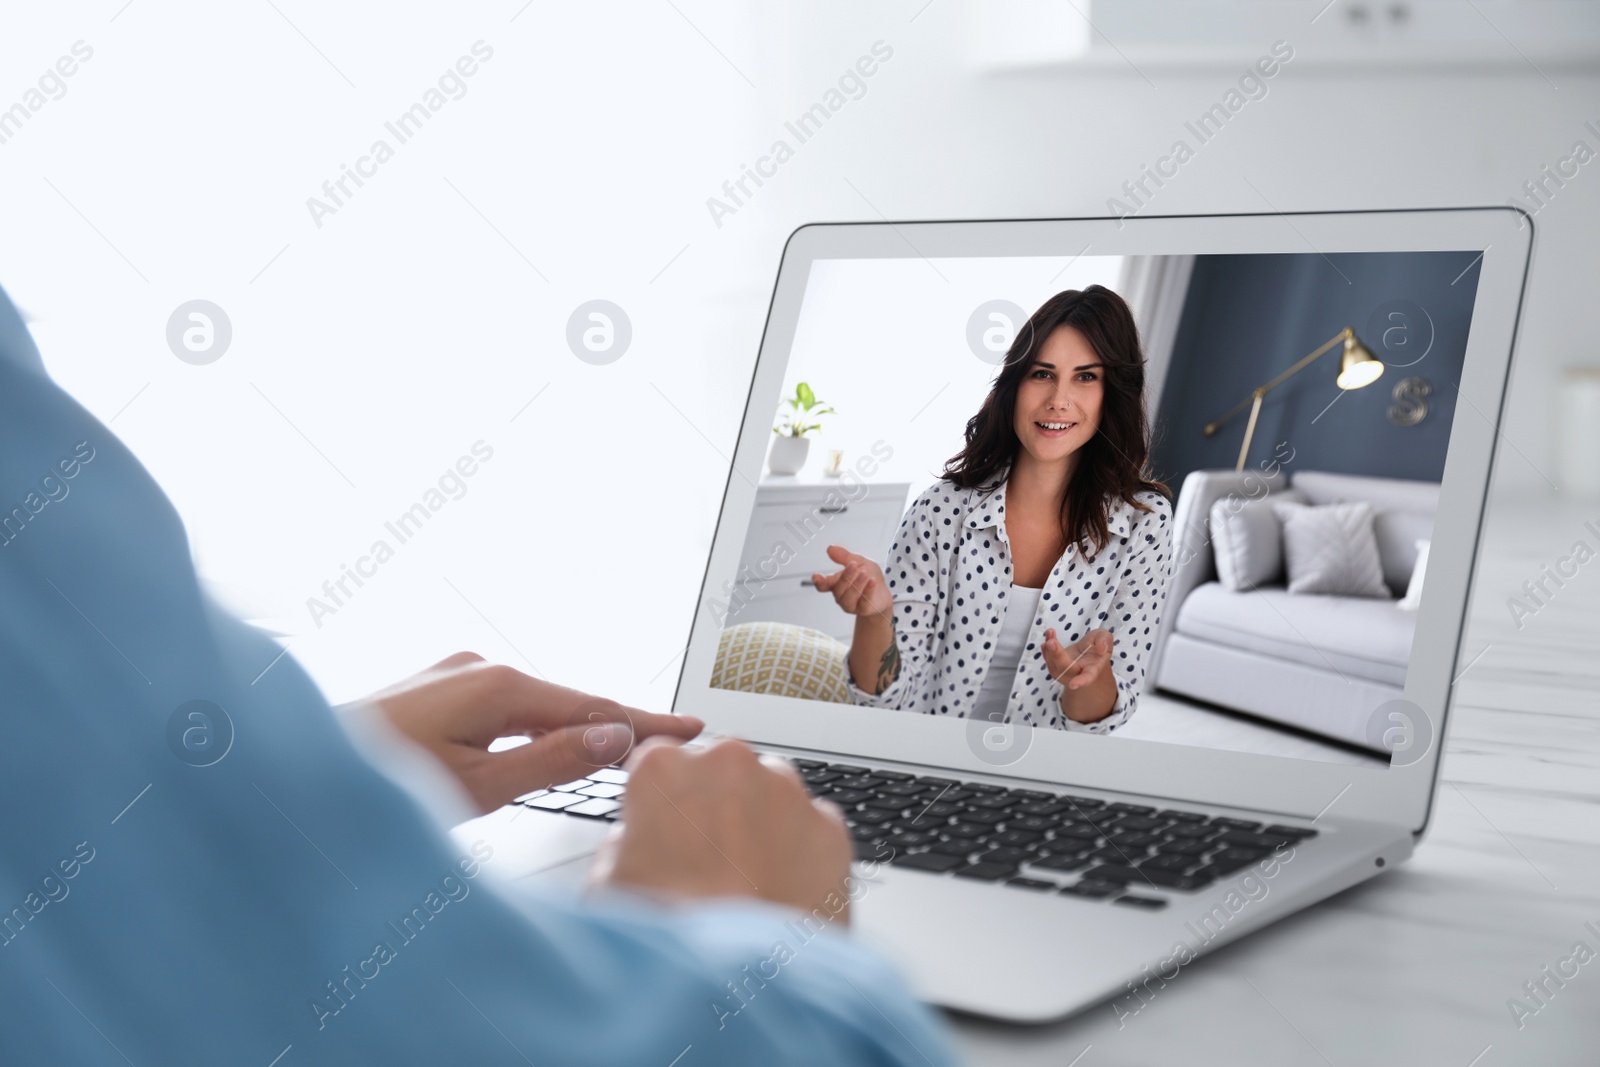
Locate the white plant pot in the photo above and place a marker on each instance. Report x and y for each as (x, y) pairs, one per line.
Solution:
(788, 454)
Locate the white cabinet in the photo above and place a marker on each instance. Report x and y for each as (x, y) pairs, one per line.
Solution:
(796, 518)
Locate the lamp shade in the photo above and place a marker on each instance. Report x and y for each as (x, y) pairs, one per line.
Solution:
(1358, 366)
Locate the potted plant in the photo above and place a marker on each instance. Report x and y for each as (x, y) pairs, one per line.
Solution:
(791, 445)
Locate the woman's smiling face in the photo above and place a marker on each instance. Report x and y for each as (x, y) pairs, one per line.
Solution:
(1058, 400)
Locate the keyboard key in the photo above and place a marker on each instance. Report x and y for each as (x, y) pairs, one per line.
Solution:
(1030, 883)
(524, 798)
(1181, 816)
(1290, 831)
(894, 804)
(1139, 822)
(939, 783)
(967, 831)
(983, 818)
(846, 797)
(939, 809)
(1235, 824)
(991, 801)
(605, 790)
(870, 818)
(1146, 903)
(1232, 859)
(873, 850)
(846, 768)
(1169, 879)
(927, 861)
(1059, 863)
(613, 775)
(868, 833)
(1032, 794)
(554, 801)
(570, 787)
(596, 808)
(1180, 847)
(911, 839)
(1112, 854)
(1079, 831)
(1009, 856)
(1039, 823)
(1192, 832)
(901, 789)
(1132, 809)
(983, 787)
(820, 777)
(1084, 803)
(1167, 862)
(894, 776)
(955, 848)
(1063, 848)
(987, 872)
(1092, 890)
(1018, 838)
(1245, 839)
(860, 781)
(1139, 841)
(808, 764)
(1043, 807)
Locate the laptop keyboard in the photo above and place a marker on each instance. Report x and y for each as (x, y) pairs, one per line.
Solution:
(1028, 839)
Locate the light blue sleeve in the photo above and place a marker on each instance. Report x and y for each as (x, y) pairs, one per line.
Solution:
(254, 892)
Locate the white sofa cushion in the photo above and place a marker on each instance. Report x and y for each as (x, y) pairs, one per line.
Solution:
(1412, 601)
(1359, 637)
(1398, 534)
(1331, 549)
(1312, 698)
(1247, 538)
(1403, 511)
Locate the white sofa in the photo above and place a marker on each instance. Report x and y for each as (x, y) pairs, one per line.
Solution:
(1320, 663)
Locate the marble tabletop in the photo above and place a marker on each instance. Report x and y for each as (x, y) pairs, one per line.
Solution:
(1421, 965)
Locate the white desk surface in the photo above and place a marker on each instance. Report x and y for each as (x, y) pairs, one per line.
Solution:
(1416, 966)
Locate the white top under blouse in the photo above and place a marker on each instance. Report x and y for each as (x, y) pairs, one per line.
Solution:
(949, 572)
(996, 687)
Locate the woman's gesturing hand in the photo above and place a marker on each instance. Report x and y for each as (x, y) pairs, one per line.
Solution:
(457, 707)
(859, 588)
(1088, 691)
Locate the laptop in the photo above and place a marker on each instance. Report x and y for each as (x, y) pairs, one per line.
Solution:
(1285, 739)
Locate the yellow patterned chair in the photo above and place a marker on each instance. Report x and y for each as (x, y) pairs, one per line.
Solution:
(782, 659)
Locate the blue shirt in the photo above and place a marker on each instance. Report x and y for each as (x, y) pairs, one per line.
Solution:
(199, 869)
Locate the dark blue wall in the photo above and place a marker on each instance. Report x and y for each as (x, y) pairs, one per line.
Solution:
(1247, 318)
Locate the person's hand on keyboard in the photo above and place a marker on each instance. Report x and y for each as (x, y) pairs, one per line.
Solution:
(457, 707)
(721, 821)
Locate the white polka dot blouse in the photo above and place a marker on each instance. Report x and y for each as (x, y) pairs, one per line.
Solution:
(950, 573)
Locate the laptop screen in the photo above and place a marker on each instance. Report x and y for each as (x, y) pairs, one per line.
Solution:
(1183, 498)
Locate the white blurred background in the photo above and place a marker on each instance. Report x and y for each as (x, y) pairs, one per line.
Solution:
(429, 312)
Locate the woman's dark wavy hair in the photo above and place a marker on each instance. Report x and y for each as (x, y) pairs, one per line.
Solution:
(1111, 464)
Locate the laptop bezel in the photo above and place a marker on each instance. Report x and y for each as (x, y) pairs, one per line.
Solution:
(1394, 794)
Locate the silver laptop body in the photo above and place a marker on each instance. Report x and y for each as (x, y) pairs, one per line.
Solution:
(1347, 803)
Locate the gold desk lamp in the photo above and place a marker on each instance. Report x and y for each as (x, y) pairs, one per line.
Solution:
(1357, 367)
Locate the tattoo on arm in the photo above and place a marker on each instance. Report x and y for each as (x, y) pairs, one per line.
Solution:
(889, 665)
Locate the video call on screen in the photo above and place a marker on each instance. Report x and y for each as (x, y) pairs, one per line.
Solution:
(1293, 583)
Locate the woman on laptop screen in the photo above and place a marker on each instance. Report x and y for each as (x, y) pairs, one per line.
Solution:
(1027, 585)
